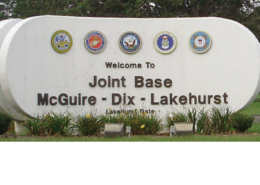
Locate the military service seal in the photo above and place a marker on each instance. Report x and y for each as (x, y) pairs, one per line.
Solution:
(165, 42)
(130, 42)
(61, 41)
(95, 42)
(200, 42)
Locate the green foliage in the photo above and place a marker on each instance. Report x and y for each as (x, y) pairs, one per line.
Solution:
(221, 119)
(112, 118)
(203, 122)
(50, 124)
(6, 9)
(142, 123)
(169, 120)
(36, 127)
(212, 121)
(241, 121)
(88, 125)
(176, 116)
(215, 120)
(257, 100)
(5, 121)
(58, 123)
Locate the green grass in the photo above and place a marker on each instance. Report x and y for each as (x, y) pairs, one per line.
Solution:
(254, 108)
(187, 138)
(254, 129)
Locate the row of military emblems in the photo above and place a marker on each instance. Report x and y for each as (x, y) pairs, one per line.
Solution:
(130, 42)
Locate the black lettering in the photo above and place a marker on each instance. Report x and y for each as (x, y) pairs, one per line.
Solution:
(63, 99)
(116, 99)
(102, 82)
(132, 65)
(130, 100)
(139, 81)
(43, 100)
(94, 82)
(168, 82)
(84, 98)
(79, 99)
(183, 100)
(164, 100)
(75, 100)
(51, 100)
(217, 99)
(172, 99)
(92, 100)
(204, 99)
(209, 97)
(192, 97)
(149, 82)
(152, 100)
(116, 80)
(225, 98)
(158, 83)
(109, 64)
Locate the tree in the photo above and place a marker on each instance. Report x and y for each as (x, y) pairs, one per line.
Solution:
(29, 8)
(6, 9)
(244, 11)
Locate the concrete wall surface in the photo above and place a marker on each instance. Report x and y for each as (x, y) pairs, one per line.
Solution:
(36, 79)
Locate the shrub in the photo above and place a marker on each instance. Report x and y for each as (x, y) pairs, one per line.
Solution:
(5, 121)
(142, 123)
(192, 115)
(221, 120)
(112, 118)
(36, 126)
(88, 125)
(58, 123)
(214, 120)
(50, 124)
(176, 116)
(257, 100)
(203, 122)
(169, 120)
(241, 121)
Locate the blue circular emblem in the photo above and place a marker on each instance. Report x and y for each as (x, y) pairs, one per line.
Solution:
(130, 42)
(95, 42)
(165, 42)
(200, 42)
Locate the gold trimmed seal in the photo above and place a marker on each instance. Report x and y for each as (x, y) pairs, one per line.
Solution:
(61, 41)
(165, 42)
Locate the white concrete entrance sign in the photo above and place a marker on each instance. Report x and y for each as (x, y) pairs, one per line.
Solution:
(5, 106)
(60, 64)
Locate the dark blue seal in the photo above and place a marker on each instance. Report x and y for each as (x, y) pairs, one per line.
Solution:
(130, 42)
(165, 42)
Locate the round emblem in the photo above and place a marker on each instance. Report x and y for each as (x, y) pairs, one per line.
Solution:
(200, 42)
(130, 42)
(61, 41)
(95, 42)
(165, 42)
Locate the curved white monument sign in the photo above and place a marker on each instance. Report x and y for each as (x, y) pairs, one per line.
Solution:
(5, 27)
(111, 65)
